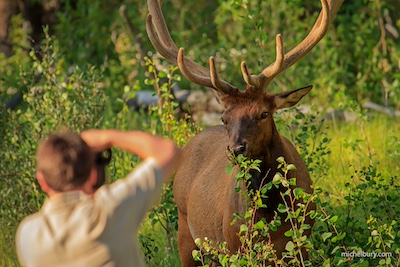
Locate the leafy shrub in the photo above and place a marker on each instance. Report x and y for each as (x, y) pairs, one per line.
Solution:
(10, 68)
(55, 100)
(255, 246)
(164, 122)
(364, 222)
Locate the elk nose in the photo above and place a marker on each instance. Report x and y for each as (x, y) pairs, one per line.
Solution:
(238, 148)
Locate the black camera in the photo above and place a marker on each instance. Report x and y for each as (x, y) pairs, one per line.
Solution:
(102, 160)
(104, 157)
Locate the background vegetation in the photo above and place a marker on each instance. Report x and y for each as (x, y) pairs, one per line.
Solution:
(83, 74)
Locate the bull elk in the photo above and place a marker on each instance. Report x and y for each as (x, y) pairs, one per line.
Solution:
(204, 193)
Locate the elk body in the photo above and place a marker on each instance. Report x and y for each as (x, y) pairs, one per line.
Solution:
(204, 193)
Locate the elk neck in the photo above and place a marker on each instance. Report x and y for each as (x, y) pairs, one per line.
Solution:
(268, 167)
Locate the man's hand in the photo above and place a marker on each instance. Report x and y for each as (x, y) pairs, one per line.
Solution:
(141, 144)
(97, 140)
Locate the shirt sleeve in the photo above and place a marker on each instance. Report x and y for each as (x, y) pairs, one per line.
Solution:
(19, 247)
(130, 198)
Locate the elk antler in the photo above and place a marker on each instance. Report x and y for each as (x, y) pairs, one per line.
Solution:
(161, 39)
(159, 36)
(284, 61)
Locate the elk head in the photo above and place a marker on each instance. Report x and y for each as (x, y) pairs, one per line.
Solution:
(248, 118)
(250, 111)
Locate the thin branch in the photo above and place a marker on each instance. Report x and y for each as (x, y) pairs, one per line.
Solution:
(131, 29)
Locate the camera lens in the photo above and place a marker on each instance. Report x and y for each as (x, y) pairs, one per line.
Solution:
(104, 157)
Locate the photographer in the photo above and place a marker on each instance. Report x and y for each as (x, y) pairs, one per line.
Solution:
(83, 223)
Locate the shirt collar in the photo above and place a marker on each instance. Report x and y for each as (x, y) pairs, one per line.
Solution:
(63, 199)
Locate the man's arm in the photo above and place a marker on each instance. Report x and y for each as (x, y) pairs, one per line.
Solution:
(142, 144)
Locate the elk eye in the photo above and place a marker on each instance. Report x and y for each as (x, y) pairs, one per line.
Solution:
(264, 115)
(223, 120)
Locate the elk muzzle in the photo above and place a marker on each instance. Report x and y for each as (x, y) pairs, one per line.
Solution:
(239, 148)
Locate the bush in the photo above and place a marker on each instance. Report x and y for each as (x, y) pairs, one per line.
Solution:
(364, 223)
(55, 100)
(256, 248)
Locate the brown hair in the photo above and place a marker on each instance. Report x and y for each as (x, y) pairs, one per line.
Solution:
(65, 161)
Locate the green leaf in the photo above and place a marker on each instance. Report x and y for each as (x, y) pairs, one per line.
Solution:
(243, 262)
(229, 169)
(291, 167)
(333, 219)
(289, 233)
(223, 259)
(243, 228)
(248, 214)
(364, 263)
(266, 188)
(277, 178)
(289, 246)
(239, 175)
(285, 183)
(259, 225)
(338, 237)
(177, 77)
(196, 255)
(327, 263)
(292, 181)
(162, 74)
(325, 236)
(280, 159)
(335, 249)
(198, 242)
(282, 208)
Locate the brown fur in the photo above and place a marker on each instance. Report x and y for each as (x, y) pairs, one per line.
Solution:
(205, 194)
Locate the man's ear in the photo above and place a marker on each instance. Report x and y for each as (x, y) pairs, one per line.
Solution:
(42, 182)
(89, 187)
(93, 177)
(290, 98)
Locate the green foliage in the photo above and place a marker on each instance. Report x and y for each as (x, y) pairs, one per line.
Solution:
(358, 56)
(360, 218)
(255, 247)
(86, 26)
(10, 82)
(308, 133)
(165, 123)
(364, 222)
(54, 101)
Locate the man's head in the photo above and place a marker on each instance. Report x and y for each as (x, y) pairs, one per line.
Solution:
(64, 162)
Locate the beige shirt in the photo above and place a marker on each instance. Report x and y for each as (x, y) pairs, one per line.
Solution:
(73, 229)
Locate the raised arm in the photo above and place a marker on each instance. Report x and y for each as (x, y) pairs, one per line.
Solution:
(142, 144)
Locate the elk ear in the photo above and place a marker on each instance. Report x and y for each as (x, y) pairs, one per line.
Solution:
(218, 96)
(290, 98)
(221, 96)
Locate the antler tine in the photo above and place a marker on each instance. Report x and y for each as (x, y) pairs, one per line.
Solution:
(203, 80)
(217, 82)
(261, 81)
(161, 39)
(192, 75)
